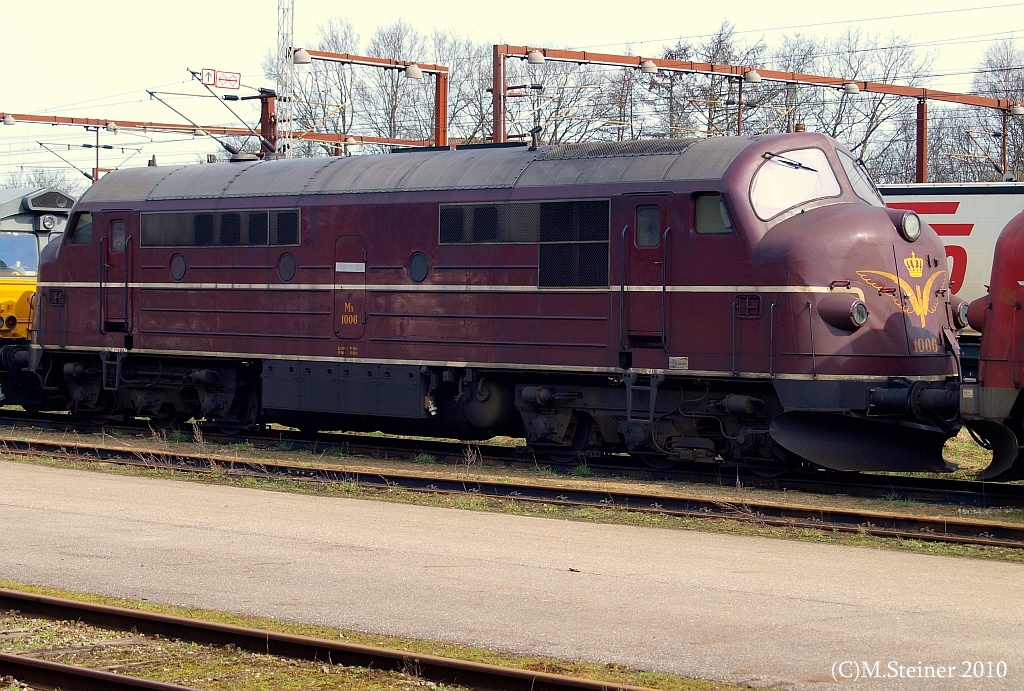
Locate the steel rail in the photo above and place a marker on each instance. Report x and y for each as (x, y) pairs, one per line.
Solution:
(878, 485)
(920, 488)
(438, 669)
(54, 675)
(954, 530)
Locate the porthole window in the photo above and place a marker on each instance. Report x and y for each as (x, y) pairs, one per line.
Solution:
(177, 267)
(286, 267)
(419, 267)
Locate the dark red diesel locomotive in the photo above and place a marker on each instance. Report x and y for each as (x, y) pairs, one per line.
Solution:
(992, 406)
(738, 299)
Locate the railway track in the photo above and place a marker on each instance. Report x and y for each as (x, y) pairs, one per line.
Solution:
(912, 488)
(70, 678)
(890, 525)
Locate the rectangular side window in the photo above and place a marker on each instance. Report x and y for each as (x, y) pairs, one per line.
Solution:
(202, 225)
(222, 228)
(230, 229)
(572, 236)
(711, 217)
(648, 225)
(453, 219)
(257, 225)
(117, 233)
(285, 228)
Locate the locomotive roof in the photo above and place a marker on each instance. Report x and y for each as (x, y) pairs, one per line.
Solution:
(466, 168)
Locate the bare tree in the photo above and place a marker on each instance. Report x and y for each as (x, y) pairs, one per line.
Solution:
(709, 103)
(469, 76)
(575, 103)
(45, 177)
(1001, 75)
(324, 92)
(561, 98)
(625, 105)
(396, 107)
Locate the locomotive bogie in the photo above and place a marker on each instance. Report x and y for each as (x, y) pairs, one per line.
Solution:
(117, 385)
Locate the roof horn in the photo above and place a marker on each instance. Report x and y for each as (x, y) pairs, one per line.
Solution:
(535, 137)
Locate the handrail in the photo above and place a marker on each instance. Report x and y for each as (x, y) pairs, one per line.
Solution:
(102, 265)
(127, 267)
(735, 312)
(664, 289)
(810, 328)
(622, 289)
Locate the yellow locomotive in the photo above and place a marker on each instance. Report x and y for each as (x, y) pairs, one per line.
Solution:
(29, 219)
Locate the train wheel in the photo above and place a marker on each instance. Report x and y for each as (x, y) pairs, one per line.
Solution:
(655, 460)
(572, 454)
(767, 473)
(167, 420)
(231, 428)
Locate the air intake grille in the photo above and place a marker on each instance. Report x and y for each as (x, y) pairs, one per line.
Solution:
(50, 201)
(645, 147)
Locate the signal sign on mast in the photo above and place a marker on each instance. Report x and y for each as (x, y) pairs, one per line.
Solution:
(222, 80)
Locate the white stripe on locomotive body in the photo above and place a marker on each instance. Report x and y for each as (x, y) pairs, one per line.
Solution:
(421, 288)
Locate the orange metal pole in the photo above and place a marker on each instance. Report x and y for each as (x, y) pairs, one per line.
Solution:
(498, 94)
(441, 109)
(922, 141)
(268, 119)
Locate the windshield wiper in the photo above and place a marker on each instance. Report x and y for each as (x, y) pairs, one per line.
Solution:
(788, 161)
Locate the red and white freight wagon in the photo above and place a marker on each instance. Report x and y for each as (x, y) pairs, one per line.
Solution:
(968, 217)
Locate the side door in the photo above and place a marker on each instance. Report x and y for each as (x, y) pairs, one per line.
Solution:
(644, 253)
(115, 274)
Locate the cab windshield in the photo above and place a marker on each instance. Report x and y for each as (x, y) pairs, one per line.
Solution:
(860, 179)
(19, 254)
(788, 179)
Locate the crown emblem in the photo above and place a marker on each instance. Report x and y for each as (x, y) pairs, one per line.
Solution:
(915, 265)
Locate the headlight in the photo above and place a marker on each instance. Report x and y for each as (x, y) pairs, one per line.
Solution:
(910, 226)
(858, 313)
(959, 306)
(843, 311)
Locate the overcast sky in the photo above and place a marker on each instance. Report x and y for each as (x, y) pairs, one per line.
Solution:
(67, 57)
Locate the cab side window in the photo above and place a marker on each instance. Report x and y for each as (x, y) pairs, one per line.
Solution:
(711, 216)
(81, 233)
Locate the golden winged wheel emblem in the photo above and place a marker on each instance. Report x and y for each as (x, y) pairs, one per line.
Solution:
(918, 300)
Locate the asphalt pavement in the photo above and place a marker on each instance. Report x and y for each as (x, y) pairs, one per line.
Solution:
(748, 610)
